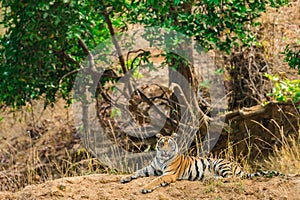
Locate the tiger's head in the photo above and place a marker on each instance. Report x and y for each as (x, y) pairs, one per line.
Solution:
(166, 147)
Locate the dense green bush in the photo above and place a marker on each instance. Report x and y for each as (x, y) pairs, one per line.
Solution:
(40, 47)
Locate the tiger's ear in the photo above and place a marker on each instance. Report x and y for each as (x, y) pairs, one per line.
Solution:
(174, 135)
(158, 135)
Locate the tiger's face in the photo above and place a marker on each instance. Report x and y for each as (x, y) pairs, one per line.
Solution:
(166, 147)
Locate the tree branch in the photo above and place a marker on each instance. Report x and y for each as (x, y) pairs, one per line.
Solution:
(88, 53)
(114, 39)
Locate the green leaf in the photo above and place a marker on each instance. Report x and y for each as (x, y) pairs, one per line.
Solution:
(115, 112)
(176, 2)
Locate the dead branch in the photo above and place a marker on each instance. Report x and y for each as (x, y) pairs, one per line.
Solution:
(161, 114)
(191, 106)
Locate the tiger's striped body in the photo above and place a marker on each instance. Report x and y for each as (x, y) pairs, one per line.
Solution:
(170, 166)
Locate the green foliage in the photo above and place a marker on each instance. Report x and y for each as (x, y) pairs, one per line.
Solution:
(40, 47)
(210, 22)
(41, 52)
(292, 58)
(286, 89)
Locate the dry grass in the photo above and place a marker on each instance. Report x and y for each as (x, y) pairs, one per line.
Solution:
(286, 159)
(37, 145)
(36, 170)
(286, 156)
(78, 161)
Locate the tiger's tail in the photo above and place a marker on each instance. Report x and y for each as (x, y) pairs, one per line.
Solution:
(261, 173)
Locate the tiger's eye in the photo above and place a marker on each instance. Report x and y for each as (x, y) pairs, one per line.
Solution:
(161, 143)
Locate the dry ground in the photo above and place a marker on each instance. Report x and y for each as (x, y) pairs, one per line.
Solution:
(104, 186)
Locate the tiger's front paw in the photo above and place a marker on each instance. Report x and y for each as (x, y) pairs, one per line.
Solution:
(126, 179)
(145, 190)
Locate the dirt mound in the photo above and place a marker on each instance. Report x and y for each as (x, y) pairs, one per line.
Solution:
(109, 187)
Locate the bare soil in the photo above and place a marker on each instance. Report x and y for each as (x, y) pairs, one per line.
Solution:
(107, 186)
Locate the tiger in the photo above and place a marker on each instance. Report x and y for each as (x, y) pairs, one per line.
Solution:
(170, 165)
